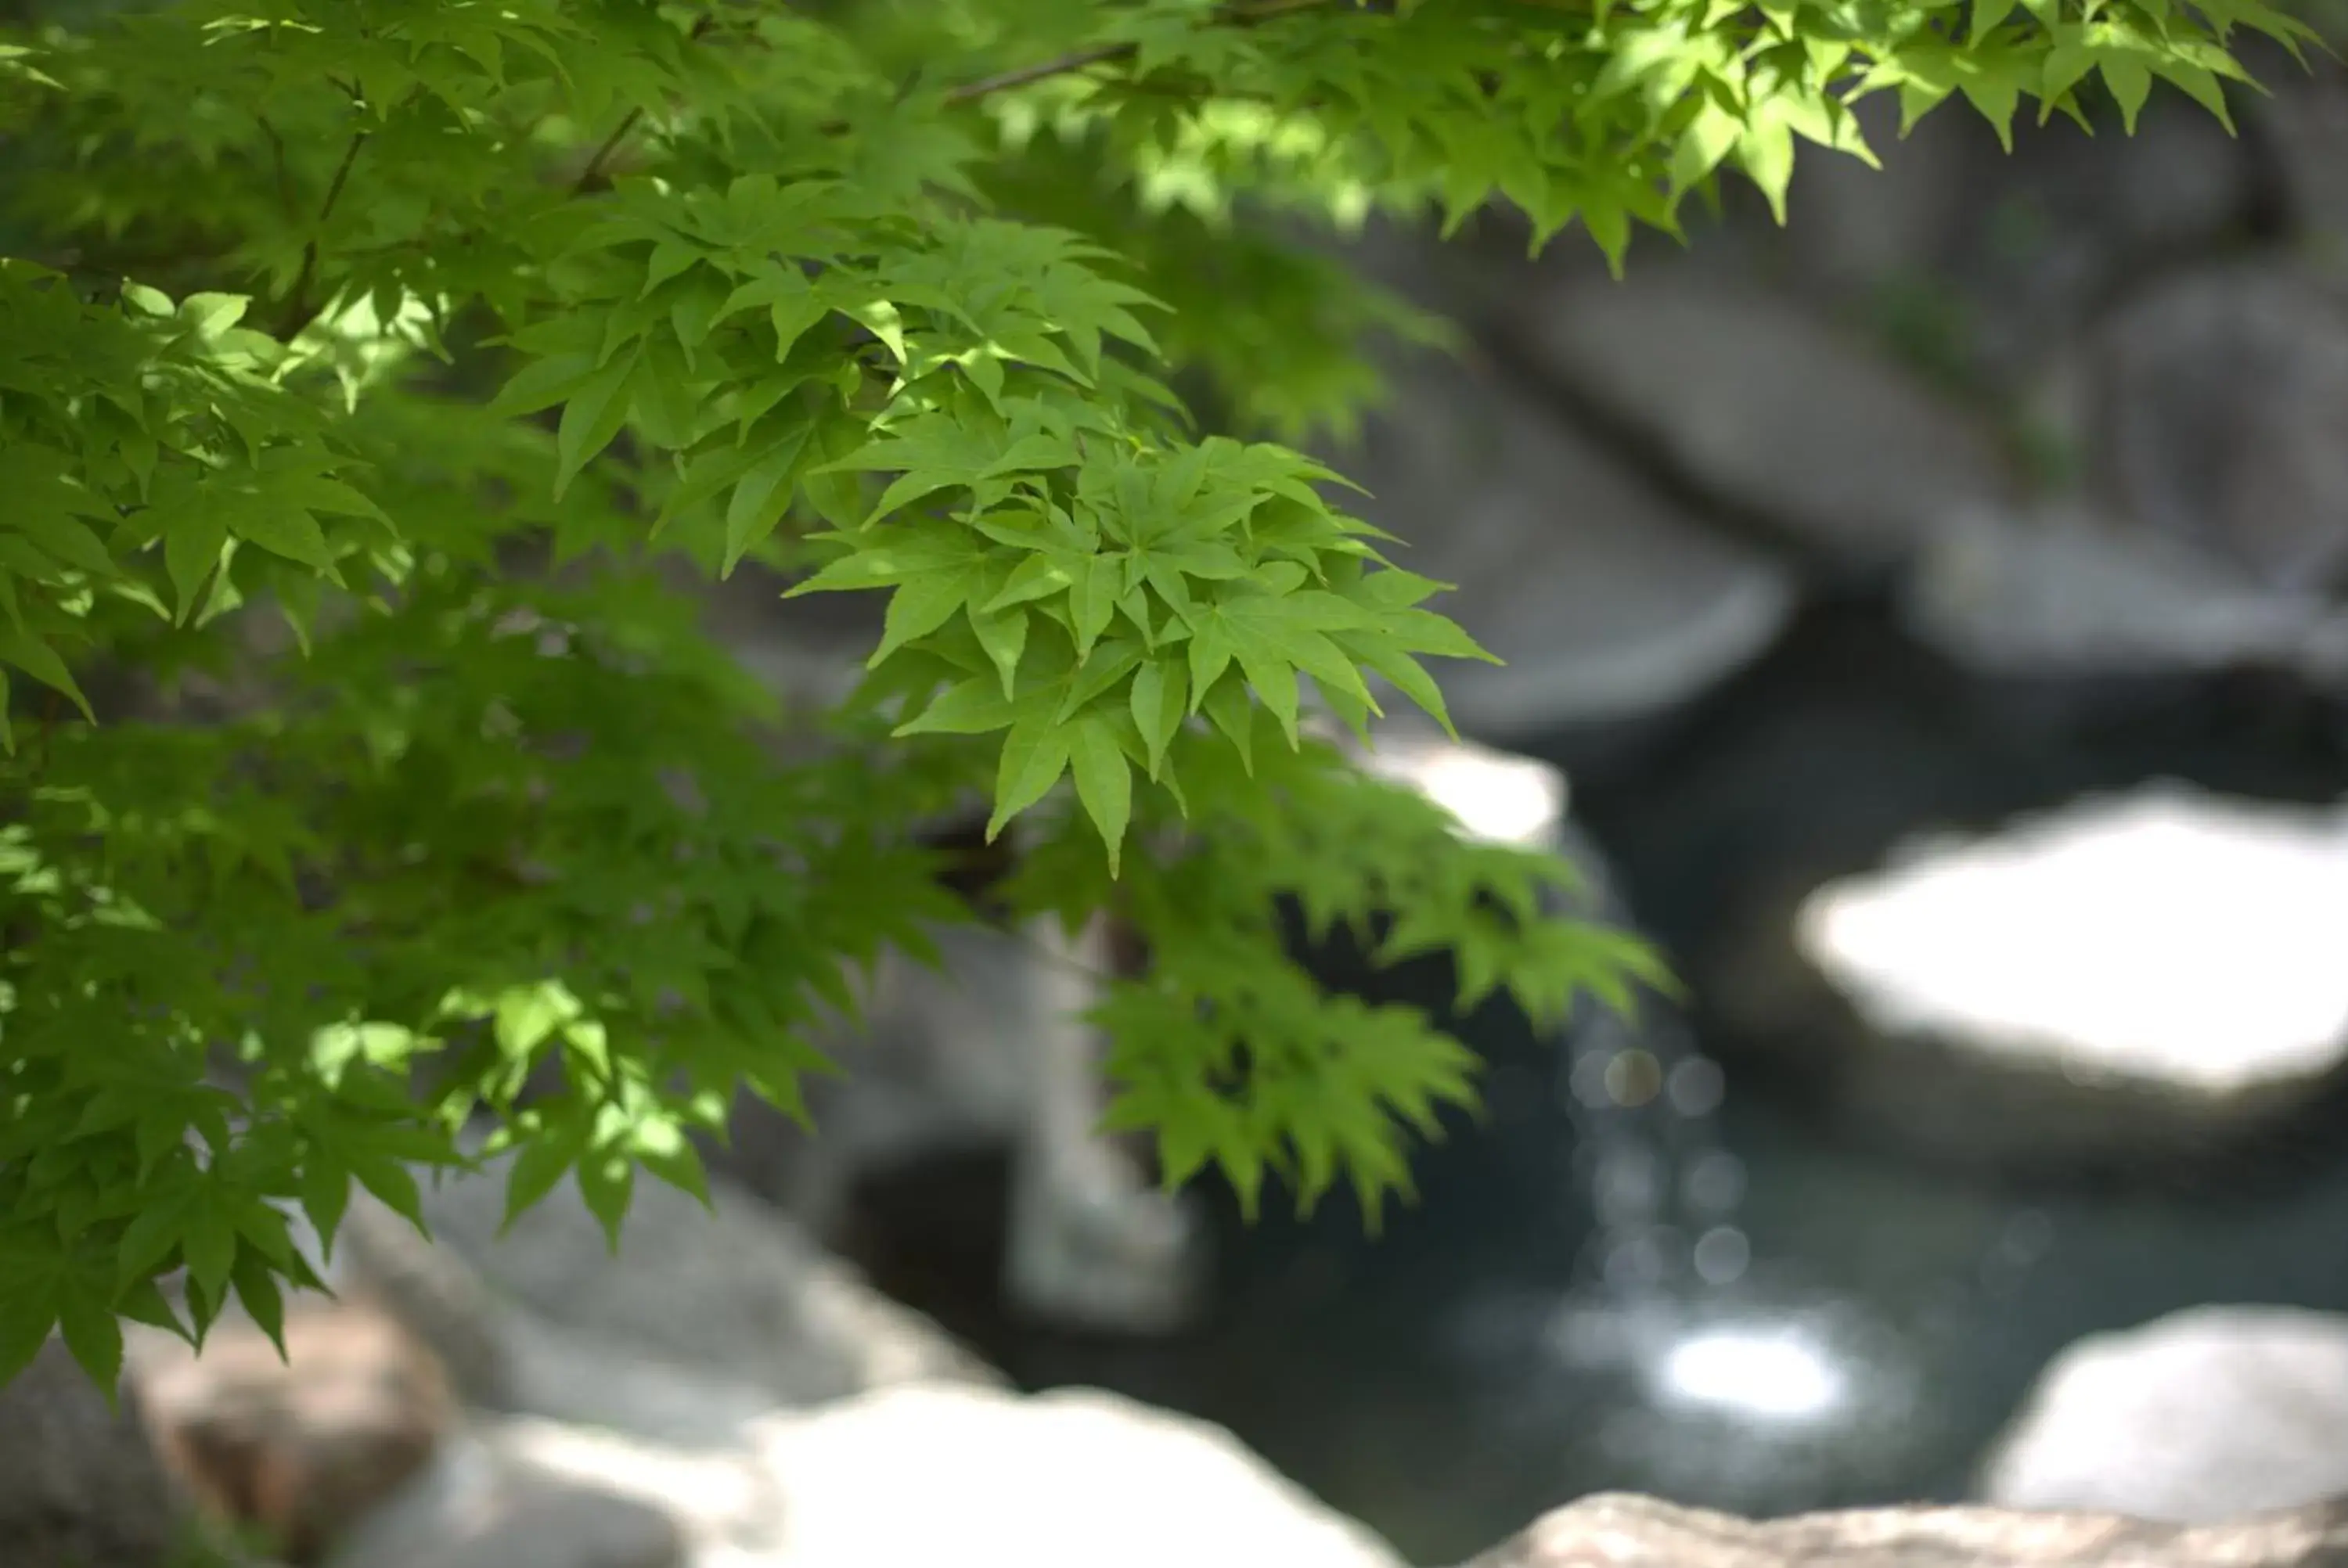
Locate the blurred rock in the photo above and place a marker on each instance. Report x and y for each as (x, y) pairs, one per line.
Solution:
(299, 1447)
(2127, 979)
(810, 654)
(1494, 797)
(1066, 1479)
(490, 1500)
(611, 1384)
(938, 1065)
(914, 1475)
(985, 1054)
(80, 1483)
(2214, 404)
(2301, 125)
(1093, 1242)
(1852, 231)
(989, 1052)
(2061, 593)
(737, 1294)
(382, 1260)
(2202, 1416)
(1766, 409)
(1605, 600)
(1617, 1531)
(1976, 263)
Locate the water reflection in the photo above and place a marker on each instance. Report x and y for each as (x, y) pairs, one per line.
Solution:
(1751, 1396)
(1722, 1254)
(1668, 1357)
(1775, 1374)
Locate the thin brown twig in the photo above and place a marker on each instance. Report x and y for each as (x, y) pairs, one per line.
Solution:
(591, 176)
(1042, 71)
(1105, 54)
(52, 707)
(277, 164)
(299, 311)
(1238, 15)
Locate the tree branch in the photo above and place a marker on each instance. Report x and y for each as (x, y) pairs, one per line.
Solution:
(1244, 16)
(278, 166)
(591, 176)
(1043, 70)
(299, 311)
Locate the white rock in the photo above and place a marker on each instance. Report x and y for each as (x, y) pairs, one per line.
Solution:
(909, 1478)
(1495, 796)
(2169, 938)
(2202, 1416)
(917, 1477)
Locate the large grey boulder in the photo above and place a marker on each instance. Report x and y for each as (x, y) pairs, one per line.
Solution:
(2211, 529)
(2301, 124)
(2205, 1415)
(2128, 977)
(1977, 262)
(735, 1293)
(1767, 409)
(499, 1497)
(2212, 406)
(2064, 593)
(1605, 600)
(80, 1483)
(1616, 1531)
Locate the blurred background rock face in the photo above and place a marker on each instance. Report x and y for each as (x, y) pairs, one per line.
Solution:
(1938, 607)
(1940, 610)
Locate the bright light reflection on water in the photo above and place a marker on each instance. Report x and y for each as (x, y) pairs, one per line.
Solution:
(1775, 1375)
(1755, 1395)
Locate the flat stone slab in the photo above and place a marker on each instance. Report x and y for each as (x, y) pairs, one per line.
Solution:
(2167, 937)
(2146, 976)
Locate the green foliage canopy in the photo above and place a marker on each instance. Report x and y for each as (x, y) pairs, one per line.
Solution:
(362, 361)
